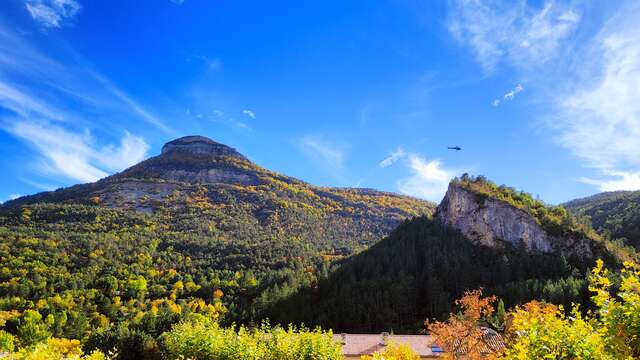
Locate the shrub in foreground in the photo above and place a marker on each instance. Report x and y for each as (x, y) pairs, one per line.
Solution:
(203, 340)
(394, 351)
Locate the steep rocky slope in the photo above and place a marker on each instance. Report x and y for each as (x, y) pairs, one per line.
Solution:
(494, 222)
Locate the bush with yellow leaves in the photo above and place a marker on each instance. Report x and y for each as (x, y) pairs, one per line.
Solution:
(55, 349)
(394, 351)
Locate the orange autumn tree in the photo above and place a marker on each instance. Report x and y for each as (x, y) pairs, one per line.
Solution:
(463, 334)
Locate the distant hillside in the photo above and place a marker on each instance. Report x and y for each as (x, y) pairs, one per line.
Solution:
(483, 235)
(615, 214)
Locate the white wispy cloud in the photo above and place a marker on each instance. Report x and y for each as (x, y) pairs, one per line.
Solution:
(134, 105)
(429, 179)
(212, 64)
(592, 83)
(615, 180)
(249, 113)
(52, 13)
(512, 31)
(179, 2)
(75, 155)
(398, 154)
(51, 106)
(327, 152)
(599, 116)
(509, 95)
(38, 185)
(25, 105)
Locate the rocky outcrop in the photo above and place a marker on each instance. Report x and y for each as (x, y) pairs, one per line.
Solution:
(196, 160)
(200, 145)
(495, 223)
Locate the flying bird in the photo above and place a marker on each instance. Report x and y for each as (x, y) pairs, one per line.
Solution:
(456, 148)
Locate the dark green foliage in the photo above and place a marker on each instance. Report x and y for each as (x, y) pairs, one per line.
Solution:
(418, 272)
(614, 214)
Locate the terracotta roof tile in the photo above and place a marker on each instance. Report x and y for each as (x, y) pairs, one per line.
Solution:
(364, 344)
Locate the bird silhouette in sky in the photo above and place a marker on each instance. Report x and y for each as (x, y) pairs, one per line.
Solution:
(456, 148)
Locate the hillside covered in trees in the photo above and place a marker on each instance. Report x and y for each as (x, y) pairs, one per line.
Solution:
(615, 214)
(423, 266)
(198, 229)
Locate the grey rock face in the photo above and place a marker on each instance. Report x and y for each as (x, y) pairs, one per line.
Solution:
(200, 145)
(211, 176)
(492, 222)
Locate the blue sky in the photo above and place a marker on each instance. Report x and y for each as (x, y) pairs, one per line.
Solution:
(541, 95)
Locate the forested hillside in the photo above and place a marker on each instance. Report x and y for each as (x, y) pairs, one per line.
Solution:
(423, 266)
(198, 229)
(614, 214)
(109, 276)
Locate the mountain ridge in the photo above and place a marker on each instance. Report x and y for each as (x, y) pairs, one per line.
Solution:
(183, 165)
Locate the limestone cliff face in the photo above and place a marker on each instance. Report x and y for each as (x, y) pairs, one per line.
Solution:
(200, 145)
(495, 223)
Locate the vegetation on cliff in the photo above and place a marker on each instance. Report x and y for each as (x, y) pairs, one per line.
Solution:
(556, 220)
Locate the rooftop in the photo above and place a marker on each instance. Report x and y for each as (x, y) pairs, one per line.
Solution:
(355, 345)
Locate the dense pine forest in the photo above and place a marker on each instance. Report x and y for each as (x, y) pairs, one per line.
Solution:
(419, 271)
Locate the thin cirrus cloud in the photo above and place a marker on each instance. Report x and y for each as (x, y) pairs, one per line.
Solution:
(35, 92)
(249, 113)
(398, 154)
(593, 109)
(599, 118)
(615, 180)
(509, 95)
(74, 155)
(52, 13)
(428, 179)
(327, 153)
(515, 31)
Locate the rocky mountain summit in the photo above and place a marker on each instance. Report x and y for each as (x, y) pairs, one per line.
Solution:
(196, 144)
(495, 222)
(196, 160)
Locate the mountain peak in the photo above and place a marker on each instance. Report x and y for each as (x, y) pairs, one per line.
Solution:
(196, 144)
